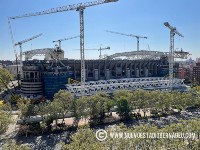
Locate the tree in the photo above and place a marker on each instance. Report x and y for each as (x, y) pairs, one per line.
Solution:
(14, 98)
(23, 105)
(144, 102)
(182, 100)
(122, 93)
(197, 101)
(154, 102)
(66, 101)
(11, 145)
(83, 139)
(6, 107)
(41, 109)
(5, 117)
(94, 108)
(54, 109)
(167, 98)
(171, 142)
(5, 120)
(5, 78)
(139, 99)
(123, 109)
(82, 108)
(103, 99)
(109, 104)
(24, 129)
(42, 126)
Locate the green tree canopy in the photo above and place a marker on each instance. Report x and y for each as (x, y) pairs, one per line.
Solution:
(83, 139)
(5, 78)
(11, 145)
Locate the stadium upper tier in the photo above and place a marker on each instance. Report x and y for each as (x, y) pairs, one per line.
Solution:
(55, 53)
(144, 54)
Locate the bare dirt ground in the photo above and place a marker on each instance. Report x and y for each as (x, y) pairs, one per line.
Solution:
(83, 121)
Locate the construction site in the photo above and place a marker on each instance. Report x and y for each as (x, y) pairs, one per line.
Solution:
(131, 70)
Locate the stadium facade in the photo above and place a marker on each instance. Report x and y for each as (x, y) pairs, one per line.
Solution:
(46, 77)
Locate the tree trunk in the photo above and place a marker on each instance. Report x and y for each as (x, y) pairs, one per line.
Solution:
(63, 118)
(56, 123)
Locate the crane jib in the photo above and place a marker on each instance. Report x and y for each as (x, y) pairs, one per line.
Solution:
(64, 8)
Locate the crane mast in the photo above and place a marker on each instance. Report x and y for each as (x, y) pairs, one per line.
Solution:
(13, 44)
(79, 7)
(106, 48)
(60, 40)
(173, 31)
(131, 35)
(82, 53)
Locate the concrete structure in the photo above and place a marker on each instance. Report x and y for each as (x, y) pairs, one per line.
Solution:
(46, 77)
(49, 53)
(31, 83)
(36, 73)
(13, 69)
(196, 73)
(109, 86)
(43, 78)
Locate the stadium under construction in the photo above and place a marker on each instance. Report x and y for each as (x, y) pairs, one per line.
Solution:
(128, 70)
(46, 77)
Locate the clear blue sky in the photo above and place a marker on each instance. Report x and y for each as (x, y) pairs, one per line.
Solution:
(139, 17)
